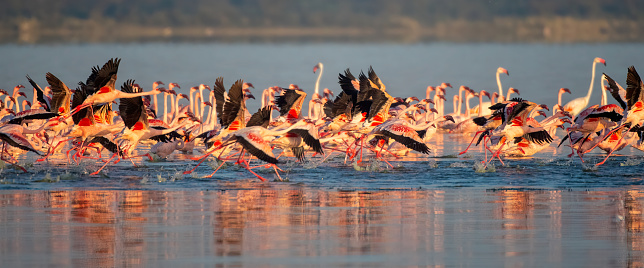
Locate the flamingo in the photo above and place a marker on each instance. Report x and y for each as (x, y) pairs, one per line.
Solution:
(500, 71)
(579, 104)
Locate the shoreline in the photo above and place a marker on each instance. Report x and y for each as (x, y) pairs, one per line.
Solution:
(403, 30)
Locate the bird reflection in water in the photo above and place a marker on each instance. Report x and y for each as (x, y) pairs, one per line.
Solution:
(248, 224)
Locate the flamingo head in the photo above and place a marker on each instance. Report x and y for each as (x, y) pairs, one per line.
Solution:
(495, 95)
(420, 107)
(600, 60)
(563, 89)
(543, 106)
(170, 91)
(26, 102)
(249, 96)
(442, 97)
(449, 118)
(412, 98)
(328, 92)
(193, 89)
(501, 70)
(485, 93)
(183, 96)
(513, 90)
(173, 85)
(157, 83)
(3, 92)
(22, 94)
(426, 101)
(246, 86)
(162, 89)
(293, 86)
(398, 99)
(203, 86)
(317, 67)
(430, 89)
(207, 103)
(446, 85)
(433, 110)
(542, 113)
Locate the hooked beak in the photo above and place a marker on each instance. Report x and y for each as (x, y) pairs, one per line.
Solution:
(544, 107)
(449, 118)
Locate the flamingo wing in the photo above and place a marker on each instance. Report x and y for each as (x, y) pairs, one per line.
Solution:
(616, 91)
(108, 144)
(634, 87)
(18, 142)
(40, 95)
(131, 109)
(233, 106)
(220, 97)
(61, 94)
(406, 136)
(256, 146)
(538, 137)
(261, 117)
(309, 138)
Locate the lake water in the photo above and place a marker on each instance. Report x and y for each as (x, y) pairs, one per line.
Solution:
(440, 211)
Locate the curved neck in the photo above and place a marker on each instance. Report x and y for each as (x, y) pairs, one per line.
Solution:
(498, 83)
(192, 101)
(317, 82)
(200, 103)
(592, 83)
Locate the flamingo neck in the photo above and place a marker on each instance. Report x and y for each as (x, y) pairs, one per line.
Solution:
(481, 104)
(192, 101)
(165, 108)
(592, 83)
(200, 103)
(460, 100)
(498, 83)
(317, 82)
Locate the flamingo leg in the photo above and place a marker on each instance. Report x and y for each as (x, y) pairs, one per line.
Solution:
(611, 151)
(108, 161)
(468, 146)
(213, 173)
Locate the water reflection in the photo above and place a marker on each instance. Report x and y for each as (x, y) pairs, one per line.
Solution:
(299, 226)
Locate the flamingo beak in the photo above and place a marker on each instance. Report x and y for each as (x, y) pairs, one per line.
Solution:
(449, 118)
(566, 90)
(429, 101)
(544, 107)
(516, 91)
(442, 97)
(433, 110)
(250, 96)
(446, 85)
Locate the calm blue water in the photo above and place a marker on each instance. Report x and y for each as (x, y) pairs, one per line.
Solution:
(547, 210)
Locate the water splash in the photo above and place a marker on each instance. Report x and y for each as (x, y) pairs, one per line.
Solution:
(589, 167)
(631, 162)
(481, 168)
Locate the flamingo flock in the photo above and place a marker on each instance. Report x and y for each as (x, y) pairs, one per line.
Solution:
(363, 121)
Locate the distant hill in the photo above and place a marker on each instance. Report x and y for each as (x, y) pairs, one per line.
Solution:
(403, 20)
